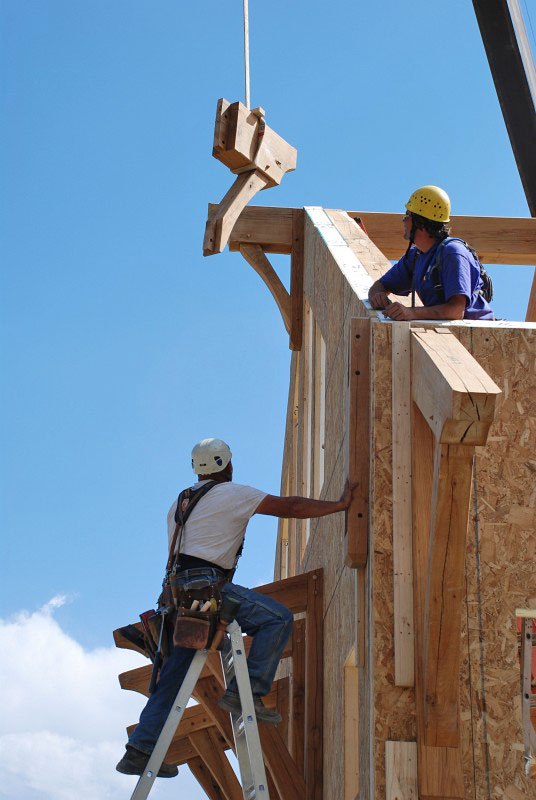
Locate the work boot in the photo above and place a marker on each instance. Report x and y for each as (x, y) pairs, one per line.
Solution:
(134, 763)
(231, 702)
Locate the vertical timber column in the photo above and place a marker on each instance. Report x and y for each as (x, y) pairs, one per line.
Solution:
(314, 672)
(439, 768)
(296, 279)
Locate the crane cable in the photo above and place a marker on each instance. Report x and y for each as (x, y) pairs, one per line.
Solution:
(246, 51)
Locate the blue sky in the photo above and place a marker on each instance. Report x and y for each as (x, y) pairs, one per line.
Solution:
(121, 345)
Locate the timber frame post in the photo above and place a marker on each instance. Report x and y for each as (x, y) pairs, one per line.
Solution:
(453, 408)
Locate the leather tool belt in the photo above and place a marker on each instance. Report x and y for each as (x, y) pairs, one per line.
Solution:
(193, 590)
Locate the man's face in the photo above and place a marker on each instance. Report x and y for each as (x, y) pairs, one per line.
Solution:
(406, 219)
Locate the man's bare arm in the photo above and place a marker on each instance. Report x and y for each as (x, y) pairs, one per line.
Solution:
(454, 308)
(378, 295)
(303, 507)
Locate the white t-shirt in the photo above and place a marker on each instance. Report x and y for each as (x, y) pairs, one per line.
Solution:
(216, 527)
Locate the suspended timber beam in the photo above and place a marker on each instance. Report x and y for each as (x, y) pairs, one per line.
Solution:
(256, 154)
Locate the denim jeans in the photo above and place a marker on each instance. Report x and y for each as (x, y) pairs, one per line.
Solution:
(266, 620)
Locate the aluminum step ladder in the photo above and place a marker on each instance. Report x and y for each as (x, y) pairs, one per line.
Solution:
(245, 730)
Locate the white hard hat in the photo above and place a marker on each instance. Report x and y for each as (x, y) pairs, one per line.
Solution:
(210, 455)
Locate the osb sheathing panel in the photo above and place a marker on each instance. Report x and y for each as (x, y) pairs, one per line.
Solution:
(491, 738)
(505, 527)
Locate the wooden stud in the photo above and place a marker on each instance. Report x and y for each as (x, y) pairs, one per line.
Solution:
(359, 443)
(456, 396)
(401, 771)
(297, 718)
(351, 726)
(254, 255)
(314, 685)
(402, 514)
(361, 614)
(296, 279)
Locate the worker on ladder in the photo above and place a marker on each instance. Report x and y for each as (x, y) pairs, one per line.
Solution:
(443, 270)
(208, 547)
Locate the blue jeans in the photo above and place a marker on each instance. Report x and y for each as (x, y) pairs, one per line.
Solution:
(270, 624)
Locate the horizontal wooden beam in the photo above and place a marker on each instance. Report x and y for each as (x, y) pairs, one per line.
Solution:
(498, 240)
(455, 395)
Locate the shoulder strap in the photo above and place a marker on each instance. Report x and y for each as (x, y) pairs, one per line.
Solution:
(186, 502)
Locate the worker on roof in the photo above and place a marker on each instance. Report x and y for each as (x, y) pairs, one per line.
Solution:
(210, 543)
(444, 271)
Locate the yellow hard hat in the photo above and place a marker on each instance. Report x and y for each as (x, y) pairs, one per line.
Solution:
(430, 202)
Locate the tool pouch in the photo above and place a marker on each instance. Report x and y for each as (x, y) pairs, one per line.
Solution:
(194, 629)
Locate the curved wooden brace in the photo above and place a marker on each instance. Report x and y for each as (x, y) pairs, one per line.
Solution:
(221, 221)
(254, 255)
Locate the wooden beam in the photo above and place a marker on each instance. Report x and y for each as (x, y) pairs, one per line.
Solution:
(359, 443)
(497, 28)
(314, 686)
(451, 494)
(207, 746)
(497, 240)
(292, 592)
(456, 396)
(351, 726)
(401, 771)
(250, 148)
(296, 279)
(204, 778)
(402, 515)
(268, 226)
(297, 697)
(440, 771)
(244, 142)
(254, 255)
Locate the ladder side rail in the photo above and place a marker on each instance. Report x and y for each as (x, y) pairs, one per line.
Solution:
(144, 785)
(245, 725)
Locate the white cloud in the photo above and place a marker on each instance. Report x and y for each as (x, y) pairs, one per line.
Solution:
(63, 720)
